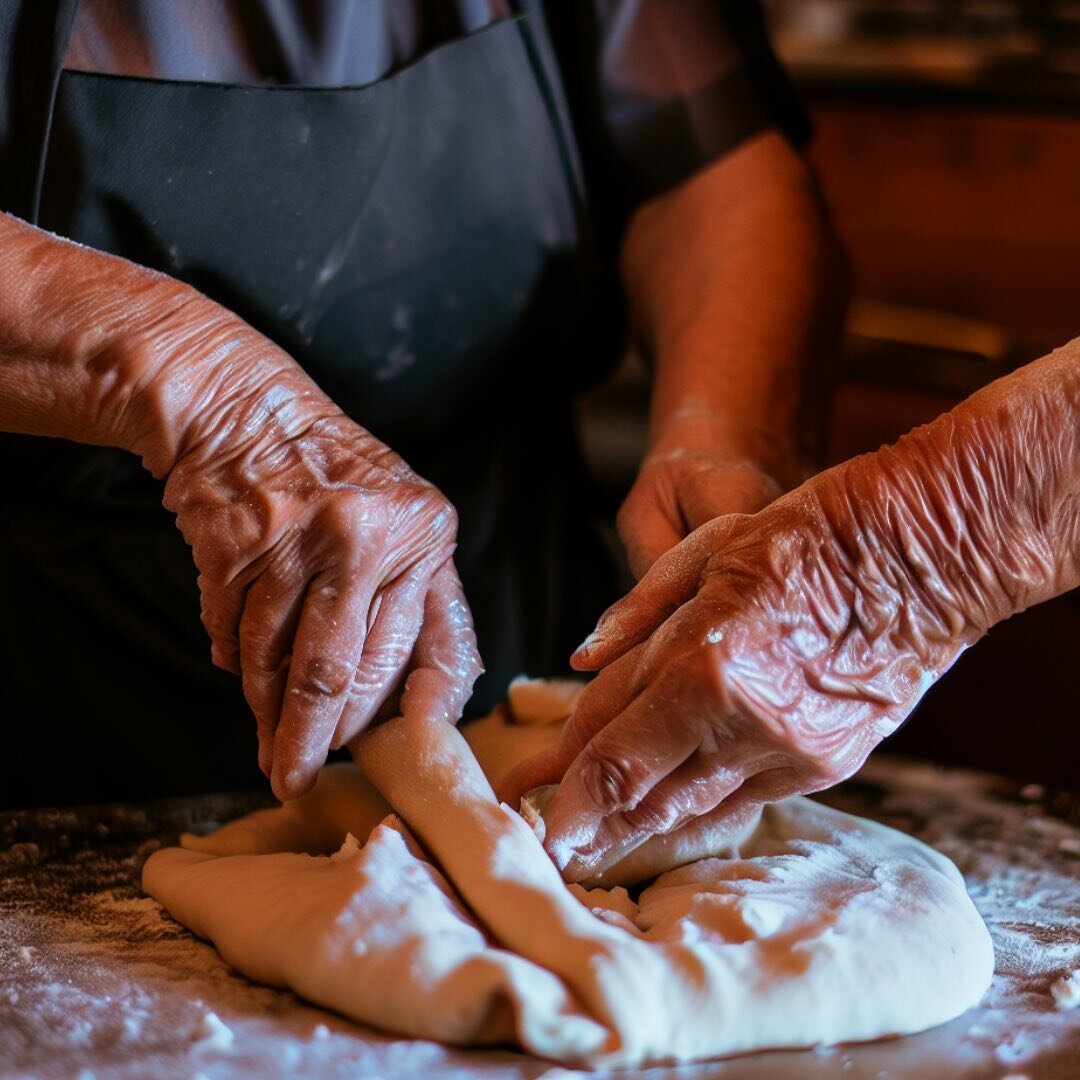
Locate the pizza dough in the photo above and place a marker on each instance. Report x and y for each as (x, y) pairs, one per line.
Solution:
(422, 906)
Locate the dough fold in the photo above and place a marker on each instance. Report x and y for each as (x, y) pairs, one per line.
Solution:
(449, 921)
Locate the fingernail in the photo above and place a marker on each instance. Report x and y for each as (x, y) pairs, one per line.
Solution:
(576, 863)
(560, 852)
(569, 846)
(577, 870)
(291, 785)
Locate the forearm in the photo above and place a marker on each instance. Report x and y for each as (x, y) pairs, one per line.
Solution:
(96, 349)
(974, 517)
(736, 291)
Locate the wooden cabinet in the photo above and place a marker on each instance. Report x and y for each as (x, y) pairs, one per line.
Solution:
(972, 212)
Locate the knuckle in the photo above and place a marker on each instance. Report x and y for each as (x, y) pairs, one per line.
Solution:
(322, 677)
(221, 629)
(343, 520)
(263, 666)
(375, 673)
(428, 506)
(222, 632)
(444, 519)
(652, 815)
(259, 655)
(281, 566)
(609, 780)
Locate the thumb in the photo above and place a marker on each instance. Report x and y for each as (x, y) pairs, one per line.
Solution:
(733, 489)
(670, 582)
(648, 522)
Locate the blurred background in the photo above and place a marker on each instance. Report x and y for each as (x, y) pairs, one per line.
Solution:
(947, 141)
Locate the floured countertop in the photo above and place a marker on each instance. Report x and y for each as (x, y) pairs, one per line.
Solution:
(95, 980)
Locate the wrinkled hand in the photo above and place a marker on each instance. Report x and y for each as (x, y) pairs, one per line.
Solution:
(325, 563)
(698, 468)
(762, 657)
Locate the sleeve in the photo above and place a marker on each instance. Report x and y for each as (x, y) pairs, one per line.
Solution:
(682, 82)
(33, 34)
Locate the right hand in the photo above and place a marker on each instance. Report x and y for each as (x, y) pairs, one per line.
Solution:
(752, 662)
(766, 655)
(325, 563)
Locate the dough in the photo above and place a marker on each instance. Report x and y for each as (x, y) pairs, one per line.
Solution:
(447, 921)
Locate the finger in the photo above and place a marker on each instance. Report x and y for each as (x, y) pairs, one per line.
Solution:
(604, 698)
(620, 766)
(267, 629)
(711, 833)
(325, 654)
(695, 787)
(398, 614)
(735, 810)
(446, 660)
(728, 817)
(648, 523)
(769, 785)
(647, 541)
(221, 607)
(444, 663)
(672, 580)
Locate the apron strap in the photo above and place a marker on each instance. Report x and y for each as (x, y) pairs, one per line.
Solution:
(40, 83)
(538, 35)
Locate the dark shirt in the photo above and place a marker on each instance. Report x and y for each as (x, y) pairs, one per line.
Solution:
(656, 88)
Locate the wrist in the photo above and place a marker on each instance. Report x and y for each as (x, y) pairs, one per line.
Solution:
(695, 426)
(99, 350)
(972, 518)
(207, 383)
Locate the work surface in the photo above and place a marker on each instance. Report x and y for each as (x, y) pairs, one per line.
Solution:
(94, 976)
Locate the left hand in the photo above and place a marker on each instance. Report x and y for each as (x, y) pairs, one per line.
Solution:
(701, 466)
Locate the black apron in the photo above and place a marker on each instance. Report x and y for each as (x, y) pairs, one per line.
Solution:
(418, 246)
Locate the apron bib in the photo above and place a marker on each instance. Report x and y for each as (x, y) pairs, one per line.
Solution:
(416, 245)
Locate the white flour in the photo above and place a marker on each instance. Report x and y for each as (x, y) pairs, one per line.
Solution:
(94, 977)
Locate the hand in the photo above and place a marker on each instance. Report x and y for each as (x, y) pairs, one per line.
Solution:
(764, 656)
(700, 466)
(325, 563)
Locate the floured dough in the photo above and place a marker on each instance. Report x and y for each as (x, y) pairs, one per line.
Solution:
(444, 919)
